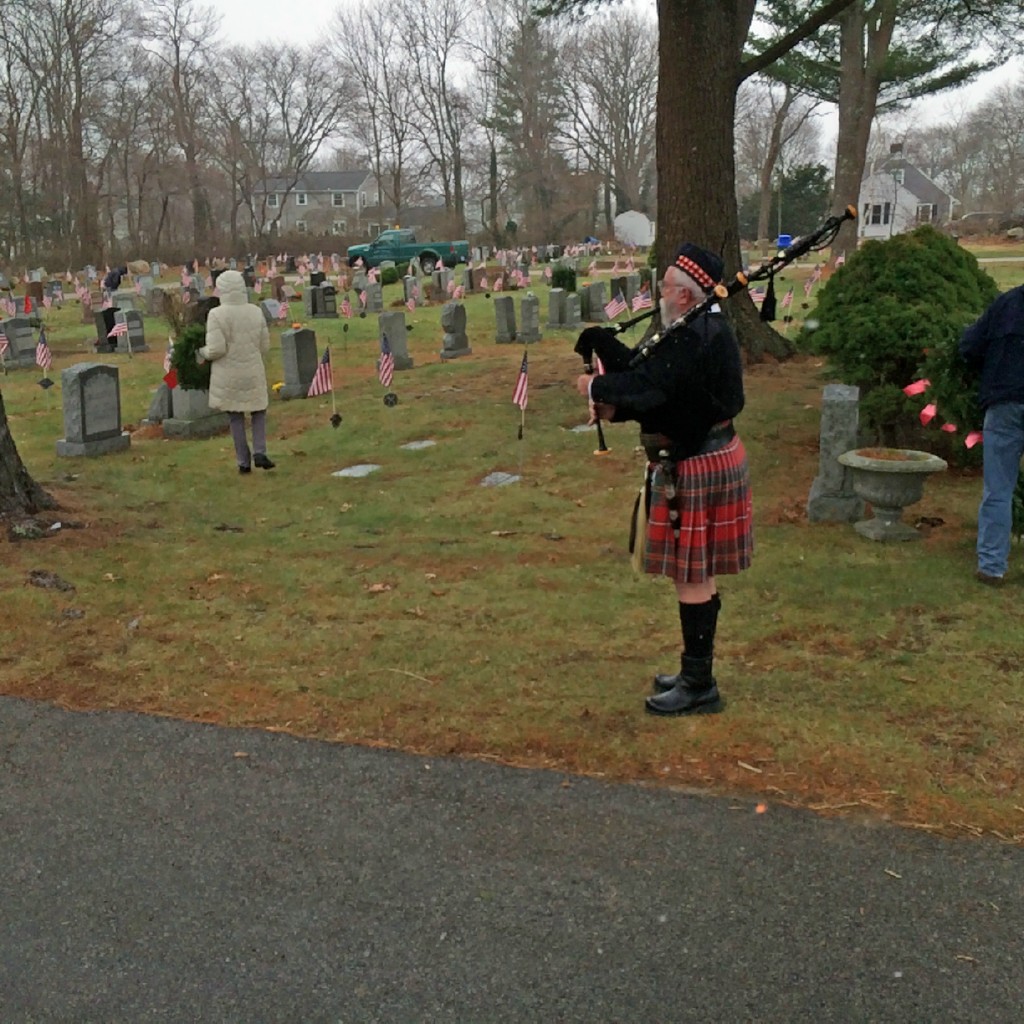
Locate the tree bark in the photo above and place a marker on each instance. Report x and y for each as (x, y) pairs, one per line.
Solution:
(700, 51)
(20, 495)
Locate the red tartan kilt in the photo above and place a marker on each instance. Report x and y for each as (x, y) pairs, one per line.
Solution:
(715, 518)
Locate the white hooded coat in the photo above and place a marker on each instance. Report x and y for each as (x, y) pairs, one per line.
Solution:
(237, 340)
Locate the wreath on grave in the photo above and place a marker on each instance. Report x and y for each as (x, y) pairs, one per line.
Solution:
(191, 375)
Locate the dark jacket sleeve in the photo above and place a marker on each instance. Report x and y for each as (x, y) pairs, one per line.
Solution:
(600, 342)
(975, 339)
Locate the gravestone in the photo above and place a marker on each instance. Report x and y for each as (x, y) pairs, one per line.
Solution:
(359, 280)
(22, 345)
(160, 405)
(592, 302)
(92, 410)
(311, 302)
(529, 315)
(453, 322)
(374, 298)
(573, 321)
(135, 340)
(442, 278)
(87, 308)
(505, 315)
(329, 298)
(632, 288)
(154, 269)
(271, 309)
(299, 359)
(411, 289)
(232, 263)
(316, 278)
(125, 299)
(556, 307)
(192, 417)
(155, 302)
(832, 499)
(104, 320)
(392, 324)
(34, 289)
(276, 286)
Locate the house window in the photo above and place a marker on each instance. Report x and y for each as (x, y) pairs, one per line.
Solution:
(927, 212)
(338, 198)
(300, 226)
(340, 227)
(272, 200)
(362, 197)
(898, 175)
(300, 199)
(886, 212)
(372, 230)
(866, 215)
(876, 213)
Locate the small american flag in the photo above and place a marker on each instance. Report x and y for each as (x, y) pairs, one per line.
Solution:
(346, 307)
(519, 395)
(642, 300)
(323, 380)
(5, 345)
(282, 310)
(840, 259)
(499, 284)
(615, 307)
(411, 304)
(483, 282)
(44, 360)
(386, 366)
(167, 356)
(787, 299)
(758, 294)
(47, 301)
(117, 330)
(362, 298)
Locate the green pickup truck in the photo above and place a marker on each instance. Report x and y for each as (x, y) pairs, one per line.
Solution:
(400, 245)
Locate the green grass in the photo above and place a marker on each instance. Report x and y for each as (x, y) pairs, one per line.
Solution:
(414, 608)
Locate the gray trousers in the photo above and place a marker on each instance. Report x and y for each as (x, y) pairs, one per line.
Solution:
(259, 435)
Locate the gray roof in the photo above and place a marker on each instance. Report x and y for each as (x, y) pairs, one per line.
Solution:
(317, 181)
(916, 182)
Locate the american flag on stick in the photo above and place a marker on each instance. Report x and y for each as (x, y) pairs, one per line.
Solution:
(44, 360)
(118, 330)
(519, 394)
(5, 345)
(282, 310)
(346, 307)
(787, 299)
(615, 307)
(386, 366)
(642, 300)
(323, 379)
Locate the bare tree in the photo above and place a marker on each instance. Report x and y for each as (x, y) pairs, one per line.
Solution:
(615, 68)
(380, 112)
(180, 34)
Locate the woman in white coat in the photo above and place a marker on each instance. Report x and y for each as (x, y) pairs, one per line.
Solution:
(237, 342)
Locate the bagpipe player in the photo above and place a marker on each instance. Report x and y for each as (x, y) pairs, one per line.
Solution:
(685, 392)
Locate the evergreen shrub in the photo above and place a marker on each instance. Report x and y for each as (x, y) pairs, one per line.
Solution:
(563, 277)
(893, 314)
(191, 376)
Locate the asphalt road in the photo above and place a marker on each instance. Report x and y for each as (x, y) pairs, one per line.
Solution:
(150, 872)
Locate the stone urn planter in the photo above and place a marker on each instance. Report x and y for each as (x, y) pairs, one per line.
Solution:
(889, 479)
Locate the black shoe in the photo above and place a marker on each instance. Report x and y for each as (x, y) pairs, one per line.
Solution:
(262, 461)
(683, 699)
(245, 469)
(664, 683)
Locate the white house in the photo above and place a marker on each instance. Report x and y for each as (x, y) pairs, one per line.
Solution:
(896, 197)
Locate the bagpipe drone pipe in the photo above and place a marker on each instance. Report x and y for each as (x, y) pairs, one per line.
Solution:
(602, 343)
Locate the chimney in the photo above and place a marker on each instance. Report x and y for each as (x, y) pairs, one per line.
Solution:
(896, 149)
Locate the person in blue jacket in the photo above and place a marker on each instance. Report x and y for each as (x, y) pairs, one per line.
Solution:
(994, 347)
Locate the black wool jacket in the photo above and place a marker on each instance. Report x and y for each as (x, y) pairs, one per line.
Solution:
(994, 345)
(692, 380)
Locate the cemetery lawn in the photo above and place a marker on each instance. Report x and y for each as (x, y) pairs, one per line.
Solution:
(416, 609)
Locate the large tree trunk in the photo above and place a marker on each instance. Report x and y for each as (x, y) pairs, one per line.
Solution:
(20, 495)
(700, 49)
(863, 50)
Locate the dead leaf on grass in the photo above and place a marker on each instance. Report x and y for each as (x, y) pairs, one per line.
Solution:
(110, 577)
(503, 533)
(215, 577)
(378, 588)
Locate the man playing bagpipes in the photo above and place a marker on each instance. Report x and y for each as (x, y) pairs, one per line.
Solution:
(684, 391)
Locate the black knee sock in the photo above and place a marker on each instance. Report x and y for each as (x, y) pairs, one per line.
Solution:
(699, 622)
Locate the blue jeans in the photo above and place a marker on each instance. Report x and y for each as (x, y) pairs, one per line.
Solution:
(1004, 446)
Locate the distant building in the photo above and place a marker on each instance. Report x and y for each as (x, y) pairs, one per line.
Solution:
(896, 197)
(322, 202)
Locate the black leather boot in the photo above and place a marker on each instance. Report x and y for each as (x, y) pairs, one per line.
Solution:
(260, 459)
(694, 692)
(663, 682)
